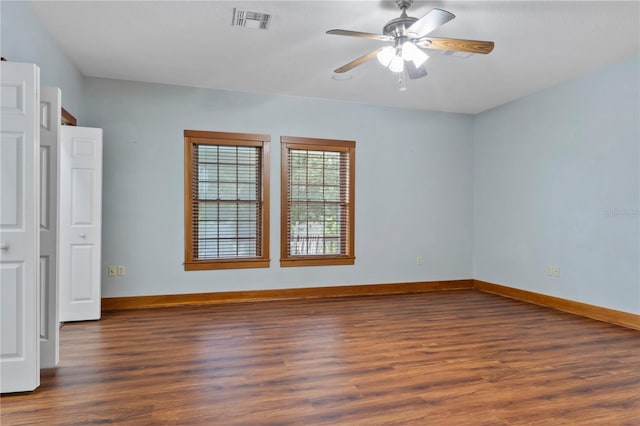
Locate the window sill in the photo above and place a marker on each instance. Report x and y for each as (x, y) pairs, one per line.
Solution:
(202, 265)
(317, 261)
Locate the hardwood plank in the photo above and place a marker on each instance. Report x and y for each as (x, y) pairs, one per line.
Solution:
(137, 302)
(583, 309)
(441, 358)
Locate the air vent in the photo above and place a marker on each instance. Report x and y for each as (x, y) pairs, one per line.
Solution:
(249, 19)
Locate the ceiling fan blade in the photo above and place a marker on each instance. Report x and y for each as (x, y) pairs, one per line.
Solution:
(358, 61)
(370, 36)
(429, 22)
(415, 72)
(471, 46)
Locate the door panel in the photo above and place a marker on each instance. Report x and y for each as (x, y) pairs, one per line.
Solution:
(19, 226)
(45, 189)
(50, 117)
(44, 297)
(13, 288)
(80, 223)
(82, 203)
(82, 256)
(12, 181)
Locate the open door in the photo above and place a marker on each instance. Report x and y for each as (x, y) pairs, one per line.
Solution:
(80, 223)
(50, 119)
(19, 228)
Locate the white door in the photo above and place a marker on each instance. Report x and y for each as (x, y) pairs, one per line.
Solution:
(80, 223)
(19, 228)
(50, 118)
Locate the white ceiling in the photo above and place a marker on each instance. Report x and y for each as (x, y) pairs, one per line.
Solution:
(192, 43)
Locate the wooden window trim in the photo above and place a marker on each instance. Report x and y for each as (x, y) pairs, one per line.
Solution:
(67, 118)
(234, 139)
(313, 144)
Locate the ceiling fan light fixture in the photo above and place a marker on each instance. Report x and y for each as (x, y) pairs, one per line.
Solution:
(410, 52)
(390, 57)
(386, 55)
(396, 64)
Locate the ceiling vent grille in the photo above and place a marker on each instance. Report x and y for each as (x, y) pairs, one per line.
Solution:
(249, 19)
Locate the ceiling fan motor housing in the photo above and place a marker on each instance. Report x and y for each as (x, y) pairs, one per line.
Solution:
(397, 27)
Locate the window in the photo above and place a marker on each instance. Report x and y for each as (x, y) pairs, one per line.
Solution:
(226, 200)
(317, 202)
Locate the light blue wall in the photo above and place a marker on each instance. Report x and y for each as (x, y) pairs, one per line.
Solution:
(551, 179)
(23, 39)
(413, 186)
(556, 182)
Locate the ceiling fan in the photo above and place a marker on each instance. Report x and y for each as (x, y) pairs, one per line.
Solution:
(409, 36)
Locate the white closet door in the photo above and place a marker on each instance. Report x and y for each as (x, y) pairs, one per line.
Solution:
(80, 223)
(19, 228)
(50, 118)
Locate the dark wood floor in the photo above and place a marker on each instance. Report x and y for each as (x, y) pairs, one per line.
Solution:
(448, 358)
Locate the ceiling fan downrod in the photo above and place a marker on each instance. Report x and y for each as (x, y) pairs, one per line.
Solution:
(398, 26)
(404, 4)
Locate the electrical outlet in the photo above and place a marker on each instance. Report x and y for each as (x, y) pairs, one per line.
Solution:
(419, 260)
(121, 271)
(553, 271)
(111, 270)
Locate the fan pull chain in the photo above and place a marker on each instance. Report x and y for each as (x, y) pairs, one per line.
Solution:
(401, 82)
